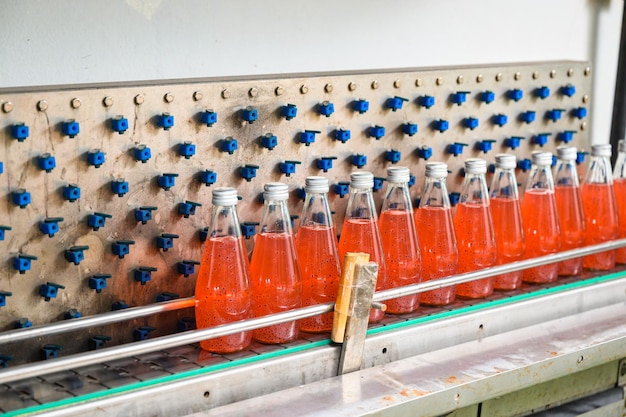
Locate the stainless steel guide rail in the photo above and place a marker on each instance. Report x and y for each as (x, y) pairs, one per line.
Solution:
(83, 359)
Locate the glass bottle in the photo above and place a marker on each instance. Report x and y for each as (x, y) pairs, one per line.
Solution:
(397, 229)
(507, 220)
(222, 291)
(274, 274)
(541, 222)
(360, 230)
(435, 234)
(570, 208)
(619, 179)
(600, 207)
(316, 247)
(474, 230)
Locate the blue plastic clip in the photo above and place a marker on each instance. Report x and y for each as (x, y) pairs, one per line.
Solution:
(459, 97)
(409, 128)
(167, 180)
(121, 248)
(208, 117)
(248, 172)
(326, 108)
(378, 184)
(360, 106)
(554, 114)
(487, 97)
(288, 167)
(441, 125)
(229, 145)
(325, 163)
(166, 241)
(72, 313)
(142, 153)
(289, 111)
(454, 198)
(98, 282)
(188, 208)
(542, 92)
(248, 229)
(568, 90)
(19, 131)
(50, 226)
(500, 119)
(119, 305)
(395, 103)
(186, 324)
(71, 192)
(119, 186)
(269, 141)
(308, 136)
(119, 124)
(144, 213)
(377, 132)
(23, 323)
(49, 290)
(342, 135)
(76, 254)
(22, 262)
(513, 142)
(485, 145)
(95, 158)
(456, 148)
(426, 101)
(515, 94)
(167, 296)
(21, 197)
(46, 162)
(143, 274)
(393, 156)
(98, 341)
(187, 149)
(425, 152)
(165, 120)
(3, 297)
(50, 351)
(3, 230)
(579, 112)
(249, 114)
(566, 136)
(143, 333)
(341, 189)
(540, 139)
(527, 116)
(470, 123)
(70, 128)
(359, 160)
(187, 267)
(524, 164)
(97, 220)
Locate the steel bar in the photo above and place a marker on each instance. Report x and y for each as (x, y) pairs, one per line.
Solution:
(166, 342)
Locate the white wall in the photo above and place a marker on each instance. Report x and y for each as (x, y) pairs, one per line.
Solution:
(45, 42)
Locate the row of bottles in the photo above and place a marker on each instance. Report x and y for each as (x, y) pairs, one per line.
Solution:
(490, 227)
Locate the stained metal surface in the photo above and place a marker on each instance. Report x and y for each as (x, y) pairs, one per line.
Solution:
(94, 107)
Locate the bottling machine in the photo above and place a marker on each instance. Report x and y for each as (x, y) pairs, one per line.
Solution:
(107, 195)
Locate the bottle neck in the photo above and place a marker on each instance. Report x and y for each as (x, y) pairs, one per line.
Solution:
(504, 184)
(397, 197)
(474, 190)
(275, 217)
(435, 193)
(599, 171)
(566, 174)
(361, 205)
(540, 177)
(224, 222)
(316, 211)
(620, 166)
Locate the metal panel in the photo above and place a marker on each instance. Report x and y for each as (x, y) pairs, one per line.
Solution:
(94, 107)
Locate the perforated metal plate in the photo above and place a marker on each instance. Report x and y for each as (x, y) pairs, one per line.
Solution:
(45, 110)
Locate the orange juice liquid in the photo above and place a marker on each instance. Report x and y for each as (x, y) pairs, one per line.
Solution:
(401, 257)
(601, 223)
(620, 197)
(275, 285)
(507, 225)
(440, 258)
(316, 247)
(572, 226)
(477, 247)
(359, 235)
(541, 231)
(222, 295)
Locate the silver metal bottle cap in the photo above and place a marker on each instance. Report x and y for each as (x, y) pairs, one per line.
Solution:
(506, 161)
(398, 174)
(566, 153)
(224, 196)
(541, 158)
(362, 179)
(436, 169)
(601, 150)
(276, 191)
(316, 184)
(475, 166)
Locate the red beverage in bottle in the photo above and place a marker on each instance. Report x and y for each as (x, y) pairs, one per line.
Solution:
(620, 197)
(541, 233)
(477, 250)
(572, 226)
(401, 257)
(320, 271)
(275, 288)
(435, 234)
(359, 235)
(601, 220)
(507, 224)
(220, 301)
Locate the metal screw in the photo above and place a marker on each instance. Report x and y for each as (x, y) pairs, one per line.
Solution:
(570, 72)
(439, 81)
(583, 126)
(587, 71)
(352, 86)
(225, 93)
(479, 78)
(75, 103)
(279, 91)
(552, 73)
(585, 98)
(197, 95)
(499, 76)
(304, 89)
(7, 107)
(535, 75)
(139, 99)
(460, 79)
(42, 105)
(517, 76)
(418, 82)
(168, 97)
(328, 88)
(253, 92)
(374, 85)
(107, 101)
(397, 83)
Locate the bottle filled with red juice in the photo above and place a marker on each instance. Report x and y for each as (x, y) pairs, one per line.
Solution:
(397, 230)
(570, 208)
(600, 208)
(360, 230)
(435, 234)
(274, 273)
(507, 220)
(619, 182)
(540, 218)
(222, 290)
(316, 246)
(473, 226)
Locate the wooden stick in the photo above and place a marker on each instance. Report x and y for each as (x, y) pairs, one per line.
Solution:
(342, 305)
